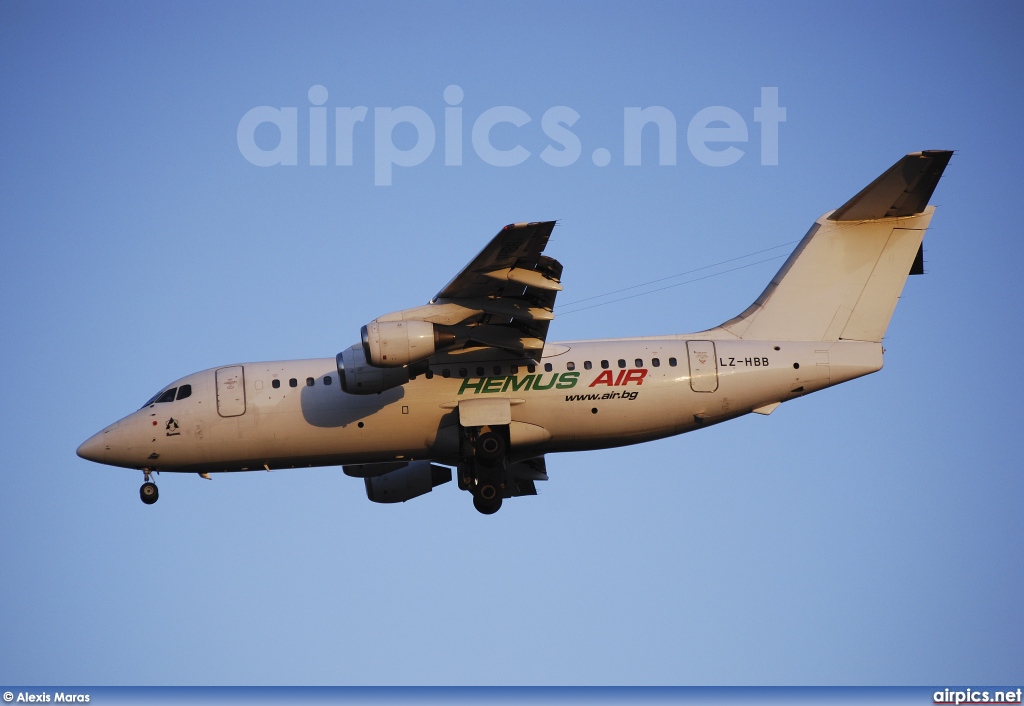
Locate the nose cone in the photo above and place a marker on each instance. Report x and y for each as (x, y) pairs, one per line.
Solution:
(92, 450)
(97, 447)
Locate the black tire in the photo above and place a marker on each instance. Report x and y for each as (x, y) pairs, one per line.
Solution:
(149, 493)
(486, 507)
(490, 446)
(488, 493)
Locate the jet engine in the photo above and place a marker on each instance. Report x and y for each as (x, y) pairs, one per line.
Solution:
(411, 481)
(392, 344)
(359, 378)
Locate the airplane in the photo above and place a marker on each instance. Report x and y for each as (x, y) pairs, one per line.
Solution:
(469, 381)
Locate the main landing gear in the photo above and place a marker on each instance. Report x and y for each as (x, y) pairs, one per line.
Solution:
(484, 469)
(487, 472)
(486, 507)
(149, 492)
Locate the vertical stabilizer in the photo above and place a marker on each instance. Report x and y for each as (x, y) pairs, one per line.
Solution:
(844, 278)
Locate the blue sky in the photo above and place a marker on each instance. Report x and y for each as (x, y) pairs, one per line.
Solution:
(868, 534)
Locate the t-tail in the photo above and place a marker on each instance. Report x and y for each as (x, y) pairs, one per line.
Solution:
(844, 278)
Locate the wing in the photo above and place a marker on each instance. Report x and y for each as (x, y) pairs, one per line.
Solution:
(513, 256)
(512, 286)
(504, 298)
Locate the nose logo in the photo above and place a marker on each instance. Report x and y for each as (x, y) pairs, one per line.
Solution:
(172, 427)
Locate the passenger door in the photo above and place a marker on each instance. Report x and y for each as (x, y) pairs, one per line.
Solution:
(703, 366)
(231, 391)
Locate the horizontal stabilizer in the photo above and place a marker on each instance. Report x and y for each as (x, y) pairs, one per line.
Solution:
(903, 190)
(918, 267)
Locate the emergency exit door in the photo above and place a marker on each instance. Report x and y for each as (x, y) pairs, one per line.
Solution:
(703, 366)
(231, 391)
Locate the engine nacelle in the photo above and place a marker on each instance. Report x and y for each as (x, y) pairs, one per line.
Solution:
(359, 378)
(392, 344)
(416, 479)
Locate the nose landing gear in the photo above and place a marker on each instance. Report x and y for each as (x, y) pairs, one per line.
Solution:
(149, 492)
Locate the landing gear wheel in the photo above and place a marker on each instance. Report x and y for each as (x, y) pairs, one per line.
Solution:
(488, 493)
(486, 507)
(149, 493)
(490, 446)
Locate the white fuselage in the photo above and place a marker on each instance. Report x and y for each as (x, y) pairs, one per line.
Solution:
(459, 382)
(581, 395)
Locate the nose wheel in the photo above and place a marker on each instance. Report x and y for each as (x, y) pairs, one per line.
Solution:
(149, 492)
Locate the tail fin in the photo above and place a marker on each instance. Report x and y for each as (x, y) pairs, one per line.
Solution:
(844, 278)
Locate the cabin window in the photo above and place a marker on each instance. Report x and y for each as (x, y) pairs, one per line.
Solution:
(639, 362)
(622, 363)
(604, 364)
(463, 373)
(184, 391)
(587, 365)
(276, 384)
(168, 396)
(513, 369)
(570, 365)
(480, 372)
(446, 373)
(531, 368)
(293, 383)
(310, 382)
(430, 375)
(327, 379)
(497, 370)
(672, 362)
(655, 362)
(547, 367)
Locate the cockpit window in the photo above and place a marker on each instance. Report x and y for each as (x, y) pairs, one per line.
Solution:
(168, 396)
(184, 391)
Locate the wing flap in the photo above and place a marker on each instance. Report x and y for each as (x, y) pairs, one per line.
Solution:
(504, 298)
(516, 246)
